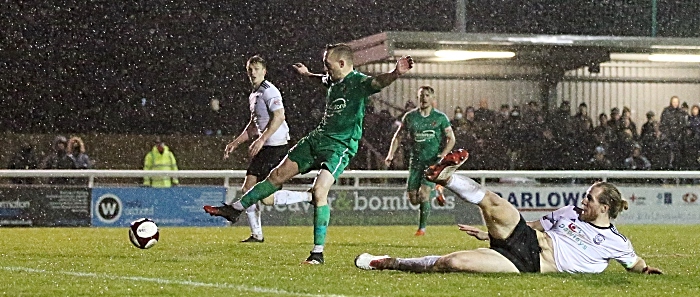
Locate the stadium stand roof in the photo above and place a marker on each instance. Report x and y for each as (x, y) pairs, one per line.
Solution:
(561, 52)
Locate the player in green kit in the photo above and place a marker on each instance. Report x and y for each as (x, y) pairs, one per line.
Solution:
(426, 128)
(329, 147)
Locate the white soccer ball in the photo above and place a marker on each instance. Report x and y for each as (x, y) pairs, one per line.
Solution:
(143, 233)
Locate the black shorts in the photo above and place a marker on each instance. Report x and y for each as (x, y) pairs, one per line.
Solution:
(267, 159)
(521, 247)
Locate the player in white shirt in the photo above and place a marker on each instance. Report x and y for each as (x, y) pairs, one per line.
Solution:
(570, 239)
(267, 123)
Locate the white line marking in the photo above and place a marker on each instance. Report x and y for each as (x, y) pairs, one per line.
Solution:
(165, 281)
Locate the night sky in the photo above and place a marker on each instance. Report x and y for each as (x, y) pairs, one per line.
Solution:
(66, 61)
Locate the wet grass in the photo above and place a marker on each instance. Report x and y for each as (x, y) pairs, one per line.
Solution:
(211, 262)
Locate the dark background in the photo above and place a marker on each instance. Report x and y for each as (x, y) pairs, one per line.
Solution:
(76, 67)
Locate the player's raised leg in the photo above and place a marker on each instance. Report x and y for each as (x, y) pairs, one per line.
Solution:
(286, 197)
(285, 171)
(281, 197)
(500, 216)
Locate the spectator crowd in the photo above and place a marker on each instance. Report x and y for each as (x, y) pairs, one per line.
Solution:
(65, 154)
(528, 138)
(510, 138)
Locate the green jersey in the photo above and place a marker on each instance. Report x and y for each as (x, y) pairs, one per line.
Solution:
(426, 133)
(345, 107)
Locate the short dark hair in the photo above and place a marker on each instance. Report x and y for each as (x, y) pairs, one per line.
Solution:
(342, 51)
(257, 59)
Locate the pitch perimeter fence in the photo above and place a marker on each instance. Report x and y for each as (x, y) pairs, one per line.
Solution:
(361, 197)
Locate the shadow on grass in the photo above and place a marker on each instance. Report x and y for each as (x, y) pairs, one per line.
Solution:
(613, 279)
(593, 279)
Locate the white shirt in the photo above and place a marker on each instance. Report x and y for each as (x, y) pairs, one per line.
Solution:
(263, 101)
(582, 247)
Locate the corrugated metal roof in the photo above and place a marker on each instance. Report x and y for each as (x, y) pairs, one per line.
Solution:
(560, 51)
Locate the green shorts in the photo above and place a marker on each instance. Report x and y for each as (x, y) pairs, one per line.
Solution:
(316, 151)
(416, 176)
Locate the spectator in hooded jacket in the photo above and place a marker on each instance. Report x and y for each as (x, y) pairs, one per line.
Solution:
(76, 151)
(160, 158)
(59, 160)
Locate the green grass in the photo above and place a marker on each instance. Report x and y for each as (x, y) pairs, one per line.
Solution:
(211, 262)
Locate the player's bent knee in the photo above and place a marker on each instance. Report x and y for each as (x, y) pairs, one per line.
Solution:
(423, 198)
(459, 262)
(491, 199)
(449, 263)
(319, 200)
(269, 200)
(414, 198)
(319, 196)
(277, 177)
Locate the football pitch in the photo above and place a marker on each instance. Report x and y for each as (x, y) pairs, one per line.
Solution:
(211, 262)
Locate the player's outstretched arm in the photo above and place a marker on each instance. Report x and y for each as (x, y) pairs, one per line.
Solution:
(304, 71)
(474, 231)
(403, 65)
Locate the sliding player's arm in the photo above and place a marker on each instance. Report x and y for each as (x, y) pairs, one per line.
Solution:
(474, 231)
(641, 267)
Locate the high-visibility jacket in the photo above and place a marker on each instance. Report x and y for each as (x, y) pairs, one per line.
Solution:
(154, 160)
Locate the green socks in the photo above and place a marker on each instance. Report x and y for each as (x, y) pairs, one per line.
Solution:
(322, 215)
(258, 192)
(424, 213)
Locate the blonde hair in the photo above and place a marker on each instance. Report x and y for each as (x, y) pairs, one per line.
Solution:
(341, 51)
(73, 140)
(430, 90)
(611, 197)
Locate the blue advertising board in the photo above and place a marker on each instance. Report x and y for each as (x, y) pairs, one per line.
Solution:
(177, 206)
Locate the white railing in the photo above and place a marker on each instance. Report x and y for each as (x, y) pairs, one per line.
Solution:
(357, 175)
